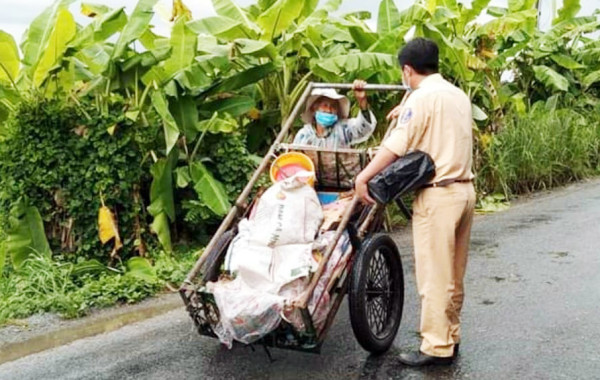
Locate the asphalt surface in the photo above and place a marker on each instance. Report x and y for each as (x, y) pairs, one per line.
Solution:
(531, 312)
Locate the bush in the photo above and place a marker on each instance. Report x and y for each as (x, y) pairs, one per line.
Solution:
(63, 161)
(228, 159)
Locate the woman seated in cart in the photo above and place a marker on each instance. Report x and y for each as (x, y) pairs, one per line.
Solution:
(326, 119)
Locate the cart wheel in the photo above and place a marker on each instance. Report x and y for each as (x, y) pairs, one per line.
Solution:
(216, 257)
(376, 293)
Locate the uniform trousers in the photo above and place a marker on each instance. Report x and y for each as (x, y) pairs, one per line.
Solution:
(442, 219)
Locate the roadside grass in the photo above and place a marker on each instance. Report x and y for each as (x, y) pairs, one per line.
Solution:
(45, 284)
(540, 150)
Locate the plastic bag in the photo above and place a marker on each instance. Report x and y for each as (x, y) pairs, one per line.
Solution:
(245, 314)
(407, 173)
(320, 302)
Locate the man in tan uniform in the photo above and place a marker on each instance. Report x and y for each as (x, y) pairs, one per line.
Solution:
(436, 119)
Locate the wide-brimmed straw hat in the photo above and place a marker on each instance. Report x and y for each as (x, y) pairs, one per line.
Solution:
(344, 103)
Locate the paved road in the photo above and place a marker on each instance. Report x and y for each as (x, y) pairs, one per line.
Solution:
(532, 312)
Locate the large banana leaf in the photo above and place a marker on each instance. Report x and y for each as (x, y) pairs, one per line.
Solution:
(469, 14)
(551, 78)
(332, 5)
(101, 28)
(316, 18)
(2, 256)
(591, 78)
(140, 267)
(162, 205)
(218, 124)
(210, 191)
(169, 125)
(363, 38)
(183, 42)
(96, 57)
(309, 7)
(183, 109)
(26, 234)
(9, 98)
(62, 34)
(521, 5)
(566, 62)
(255, 48)
(241, 79)
(39, 32)
(235, 106)
(389, 17)
(9, 58)
(160, 226)
(510, 23)
(568, 29)
(148, 59)
(221, 27)
(279, 17)
(229, 9)
(138, 23)
(352, 64)
(193, 78)
(94, 10)
(161, 189)
(454, 50)
(569, 10)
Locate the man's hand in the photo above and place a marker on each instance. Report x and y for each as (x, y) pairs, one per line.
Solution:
(362, 191)
(381, 160)
(395, 112)
(360, 94)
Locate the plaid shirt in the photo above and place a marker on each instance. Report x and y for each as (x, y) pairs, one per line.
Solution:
(344, 133)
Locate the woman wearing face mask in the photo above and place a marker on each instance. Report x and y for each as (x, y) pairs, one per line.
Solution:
(326, 119)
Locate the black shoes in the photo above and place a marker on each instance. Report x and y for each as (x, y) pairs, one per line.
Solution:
(419, 359)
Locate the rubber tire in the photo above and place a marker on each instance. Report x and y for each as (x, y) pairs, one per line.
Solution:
(216, 257)
(357, 297)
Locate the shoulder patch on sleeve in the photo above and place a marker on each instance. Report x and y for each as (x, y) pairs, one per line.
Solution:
(406, 115)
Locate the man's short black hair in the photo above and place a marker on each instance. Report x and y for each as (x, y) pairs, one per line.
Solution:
(421, 54)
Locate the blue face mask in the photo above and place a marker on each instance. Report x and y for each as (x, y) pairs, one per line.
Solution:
(326, 119)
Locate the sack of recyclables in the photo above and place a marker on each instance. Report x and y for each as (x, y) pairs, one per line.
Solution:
(272, 258)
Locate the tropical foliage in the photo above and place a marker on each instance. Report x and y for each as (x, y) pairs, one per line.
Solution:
(160, 133)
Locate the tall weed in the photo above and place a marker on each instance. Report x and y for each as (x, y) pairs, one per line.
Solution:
(539, 150)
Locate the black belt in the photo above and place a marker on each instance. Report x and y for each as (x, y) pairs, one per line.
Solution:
(446, 182)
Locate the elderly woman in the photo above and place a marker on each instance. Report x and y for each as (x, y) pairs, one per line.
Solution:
(326, 119)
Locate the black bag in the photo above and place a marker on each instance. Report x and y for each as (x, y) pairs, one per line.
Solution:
(407, 173)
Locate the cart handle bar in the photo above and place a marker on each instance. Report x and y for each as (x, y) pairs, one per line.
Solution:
(372, 87)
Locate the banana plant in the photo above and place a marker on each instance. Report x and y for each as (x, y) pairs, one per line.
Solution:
(25, 235)
(42, 50)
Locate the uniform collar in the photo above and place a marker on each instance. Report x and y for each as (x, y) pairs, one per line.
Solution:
(429, 79)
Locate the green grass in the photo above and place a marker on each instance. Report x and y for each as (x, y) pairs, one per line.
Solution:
(44, 284)
(540, 150)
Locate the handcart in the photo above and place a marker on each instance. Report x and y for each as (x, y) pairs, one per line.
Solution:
(372, 277)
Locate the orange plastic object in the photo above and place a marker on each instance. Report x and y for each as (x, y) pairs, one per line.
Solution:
(290, 163)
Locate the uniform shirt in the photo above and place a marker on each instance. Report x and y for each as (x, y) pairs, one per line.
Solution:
(436, 119)
(343, 134)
